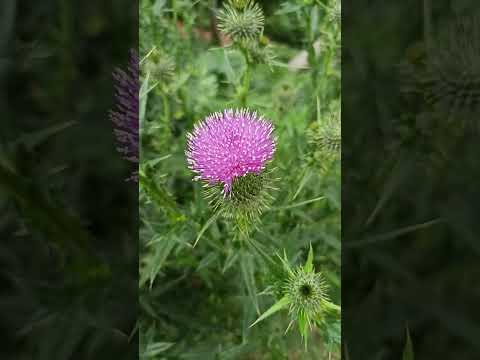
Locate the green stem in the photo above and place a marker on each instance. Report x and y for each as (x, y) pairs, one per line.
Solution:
(166, 107)
(312, 58)
(246, 80)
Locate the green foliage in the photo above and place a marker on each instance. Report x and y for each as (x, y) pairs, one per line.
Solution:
(199, 301)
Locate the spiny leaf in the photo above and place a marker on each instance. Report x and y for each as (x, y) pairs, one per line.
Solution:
(298, 204)
(247, 269)
(206, 226)
(309, 264)
(36, 138)
(155, 349)
(279, 305)
(408, 349)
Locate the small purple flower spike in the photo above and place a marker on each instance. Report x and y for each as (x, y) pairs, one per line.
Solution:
(125, 115)
(229, 145)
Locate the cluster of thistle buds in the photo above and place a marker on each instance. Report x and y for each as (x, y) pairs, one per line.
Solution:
(229, 152)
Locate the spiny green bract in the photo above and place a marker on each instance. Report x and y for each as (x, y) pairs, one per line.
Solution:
(241, 25)
(251, 195)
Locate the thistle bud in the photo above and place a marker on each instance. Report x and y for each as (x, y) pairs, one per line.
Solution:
(325, 139)
(451, 81)
(241, 23)
(160, 66)
(259, 54)
(302, 291)
(307, 292)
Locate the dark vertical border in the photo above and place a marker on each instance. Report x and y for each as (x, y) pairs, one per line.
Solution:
(68, 214)
(410, 194)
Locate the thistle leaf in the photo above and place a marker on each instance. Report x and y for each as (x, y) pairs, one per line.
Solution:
(408, 349)
(279, 305)
(205, 227)
(309, 264)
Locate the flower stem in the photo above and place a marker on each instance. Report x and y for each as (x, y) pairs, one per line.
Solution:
(427, 23)
(166, 107)
(246, 79)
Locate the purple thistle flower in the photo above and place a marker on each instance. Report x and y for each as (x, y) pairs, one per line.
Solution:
(229, 145)
(125, 115)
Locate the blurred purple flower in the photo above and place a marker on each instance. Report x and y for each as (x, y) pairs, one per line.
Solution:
(229, 145)
(125, 115)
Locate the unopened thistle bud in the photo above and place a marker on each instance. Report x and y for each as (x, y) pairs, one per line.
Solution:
(452, 77)
(160, 66)
(307, 292)
(447, 73)
(125, 115)
(241, 23)
(260, 54)
(303, 292)
(325, 139)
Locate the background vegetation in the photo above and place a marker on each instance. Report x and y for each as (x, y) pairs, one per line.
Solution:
(410, 183)
(198, 303)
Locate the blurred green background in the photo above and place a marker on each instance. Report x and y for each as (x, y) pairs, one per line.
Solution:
(410, 181)
(68, 263)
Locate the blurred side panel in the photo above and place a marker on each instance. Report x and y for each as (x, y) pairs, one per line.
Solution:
(68, 195)
(410, 194)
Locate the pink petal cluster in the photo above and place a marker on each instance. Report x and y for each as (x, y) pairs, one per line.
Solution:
(228, 145)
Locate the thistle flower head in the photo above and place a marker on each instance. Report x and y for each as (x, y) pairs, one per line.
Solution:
(241, 20)
(230, 145)
(125, 115)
